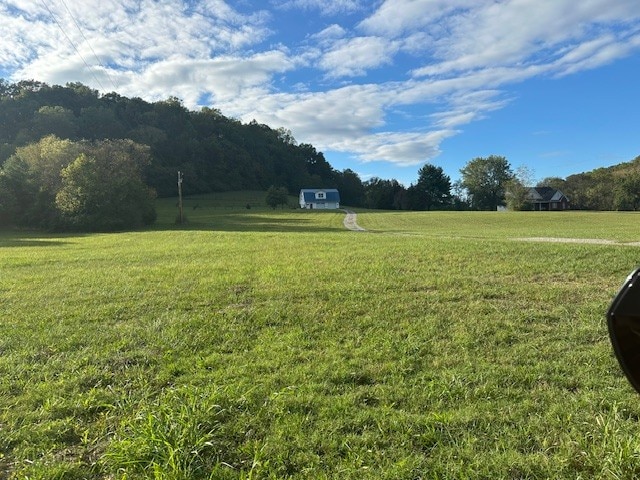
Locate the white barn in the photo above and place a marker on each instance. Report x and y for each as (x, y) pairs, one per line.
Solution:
(319, 198)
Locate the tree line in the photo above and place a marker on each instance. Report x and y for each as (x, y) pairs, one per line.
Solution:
(487, 183)
(53, 138)
(611, 188)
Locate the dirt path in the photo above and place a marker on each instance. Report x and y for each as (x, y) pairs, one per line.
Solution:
(350, 221)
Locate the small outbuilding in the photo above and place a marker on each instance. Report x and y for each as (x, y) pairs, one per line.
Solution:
(547, 198)
(319, 198)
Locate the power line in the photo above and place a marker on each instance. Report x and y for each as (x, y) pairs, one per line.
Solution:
(115, 86)
(72, 44)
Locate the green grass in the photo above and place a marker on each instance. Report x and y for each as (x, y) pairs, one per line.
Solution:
(617, 226)
(252, 343)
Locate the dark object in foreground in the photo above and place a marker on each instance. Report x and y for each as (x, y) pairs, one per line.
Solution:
(623, 319)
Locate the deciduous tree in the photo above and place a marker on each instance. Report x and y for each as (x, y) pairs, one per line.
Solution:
(277, 196)
(31, 179)
(384, 194)
(351, 188)
(102, 189)
(56, 184)
(626, 194)
(485, 180)
(55, 120)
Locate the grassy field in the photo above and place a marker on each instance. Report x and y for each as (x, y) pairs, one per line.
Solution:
(252, 343)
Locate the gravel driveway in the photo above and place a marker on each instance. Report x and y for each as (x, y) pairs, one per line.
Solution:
(350, 221)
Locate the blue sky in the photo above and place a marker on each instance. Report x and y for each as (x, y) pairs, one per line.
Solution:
(381, 87)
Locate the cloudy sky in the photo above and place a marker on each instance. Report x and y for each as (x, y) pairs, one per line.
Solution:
(380, 86)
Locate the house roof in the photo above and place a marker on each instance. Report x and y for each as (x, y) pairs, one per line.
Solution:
(545, 194)
(331, 194)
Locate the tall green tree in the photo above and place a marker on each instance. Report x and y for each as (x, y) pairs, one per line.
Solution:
(100, 122)
(626, 194)
(55, 120)
(15, 191)
(277, 196)
(384, 194)
(351, 188)
(103, 188)
(485, 179)
(553, 182)
(432, 190)
(317, 165)
(31, 180)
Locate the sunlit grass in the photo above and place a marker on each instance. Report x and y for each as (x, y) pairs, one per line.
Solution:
(620, 226)
(253, 343)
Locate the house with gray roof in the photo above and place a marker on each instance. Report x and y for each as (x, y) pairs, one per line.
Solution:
(547, 198)
(319, 198)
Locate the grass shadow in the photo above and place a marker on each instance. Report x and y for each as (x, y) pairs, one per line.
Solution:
(30, 243)
(9, 239)
(243, 222)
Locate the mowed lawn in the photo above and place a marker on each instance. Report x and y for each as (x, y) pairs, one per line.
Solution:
(252, 343)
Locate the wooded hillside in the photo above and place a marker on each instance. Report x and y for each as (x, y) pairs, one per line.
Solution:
(215, 153)
(612, 188)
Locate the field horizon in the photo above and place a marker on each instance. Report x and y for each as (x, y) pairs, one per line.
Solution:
(260, 343)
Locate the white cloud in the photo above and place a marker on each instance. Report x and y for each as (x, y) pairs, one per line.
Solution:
(519, 32)
(322, 116)
(223, 79)
(29, 8)
(353, 57)
(468, 107)
(344, 120)
(325, 7)
(404, 149)
(450, 59)
(595, 53)
(329, 34)
(396, 17)
(15, 47)
(129, 36)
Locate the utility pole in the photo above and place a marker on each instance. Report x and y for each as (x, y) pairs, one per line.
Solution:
(180, 197)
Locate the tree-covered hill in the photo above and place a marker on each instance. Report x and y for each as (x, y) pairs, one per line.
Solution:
(611, 188)
(215, 153)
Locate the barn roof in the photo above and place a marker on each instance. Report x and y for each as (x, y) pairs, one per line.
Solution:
(331, 194)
